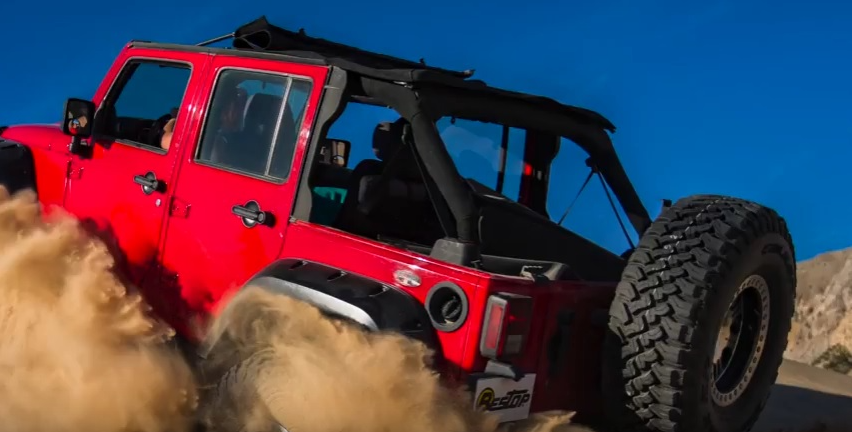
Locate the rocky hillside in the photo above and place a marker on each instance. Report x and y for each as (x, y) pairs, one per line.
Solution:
(822, 331)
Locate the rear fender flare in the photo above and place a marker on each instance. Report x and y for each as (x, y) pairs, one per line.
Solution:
(320, 300)
(375, 305)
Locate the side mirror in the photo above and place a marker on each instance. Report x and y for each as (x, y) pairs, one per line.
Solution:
(77, 121)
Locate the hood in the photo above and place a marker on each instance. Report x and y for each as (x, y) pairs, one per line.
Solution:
(38, 135)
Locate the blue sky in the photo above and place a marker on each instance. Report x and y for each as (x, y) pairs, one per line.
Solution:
(749, 98)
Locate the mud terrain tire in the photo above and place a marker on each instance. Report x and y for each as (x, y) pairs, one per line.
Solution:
(665, 362)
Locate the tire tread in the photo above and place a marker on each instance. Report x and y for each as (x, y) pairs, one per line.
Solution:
(658, 301)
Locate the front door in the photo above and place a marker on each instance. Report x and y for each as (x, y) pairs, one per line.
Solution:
(234, 194)
(122, 189)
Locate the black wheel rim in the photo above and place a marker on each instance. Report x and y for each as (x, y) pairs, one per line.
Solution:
(740, 342)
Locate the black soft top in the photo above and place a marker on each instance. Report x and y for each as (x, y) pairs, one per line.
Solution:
(261, 35)
(462, 95)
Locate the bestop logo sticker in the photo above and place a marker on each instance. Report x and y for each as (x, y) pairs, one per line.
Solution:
(513, 399)
(508, 399)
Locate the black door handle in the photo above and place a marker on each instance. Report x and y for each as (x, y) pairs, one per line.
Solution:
(251, 214)
(247, 213)
(149, 183)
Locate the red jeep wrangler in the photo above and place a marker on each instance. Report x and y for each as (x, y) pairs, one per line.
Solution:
(216, 167)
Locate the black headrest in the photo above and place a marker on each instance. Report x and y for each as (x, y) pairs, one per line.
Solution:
(261, 113)
(387, 138)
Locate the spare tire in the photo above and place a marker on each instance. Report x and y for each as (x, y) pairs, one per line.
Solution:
(699, 322)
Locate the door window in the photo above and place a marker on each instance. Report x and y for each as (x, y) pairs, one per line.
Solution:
(143, 107)
(253, 123)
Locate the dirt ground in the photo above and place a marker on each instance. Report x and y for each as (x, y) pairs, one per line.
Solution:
(808, 399)
(80, 351)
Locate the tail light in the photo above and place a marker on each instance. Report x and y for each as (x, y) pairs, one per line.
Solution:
(506, 325)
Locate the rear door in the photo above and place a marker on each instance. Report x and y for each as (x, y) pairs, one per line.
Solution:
(234, 194)
(110, 190)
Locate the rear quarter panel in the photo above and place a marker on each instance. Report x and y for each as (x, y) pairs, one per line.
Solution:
(572, 382)
(379, 262)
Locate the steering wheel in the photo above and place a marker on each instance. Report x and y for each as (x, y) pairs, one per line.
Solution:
(156, 131)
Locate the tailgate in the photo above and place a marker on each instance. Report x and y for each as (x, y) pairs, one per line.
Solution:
(571, 340)
(562, 349)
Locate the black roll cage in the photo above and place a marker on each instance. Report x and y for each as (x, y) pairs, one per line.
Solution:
(423, 105)
(452, 102)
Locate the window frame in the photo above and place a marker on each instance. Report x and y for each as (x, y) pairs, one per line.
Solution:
(209, 104)
(121, 80)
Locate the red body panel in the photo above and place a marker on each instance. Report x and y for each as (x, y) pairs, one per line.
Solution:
(580, 367)
(102, 193)
(49, 147)
(207, 249)
(185, 248)
(379, 262)
(575, 381)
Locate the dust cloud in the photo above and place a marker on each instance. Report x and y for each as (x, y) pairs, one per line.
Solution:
(77, 348)
(274, 360)
(79, 351)
(282, 361)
